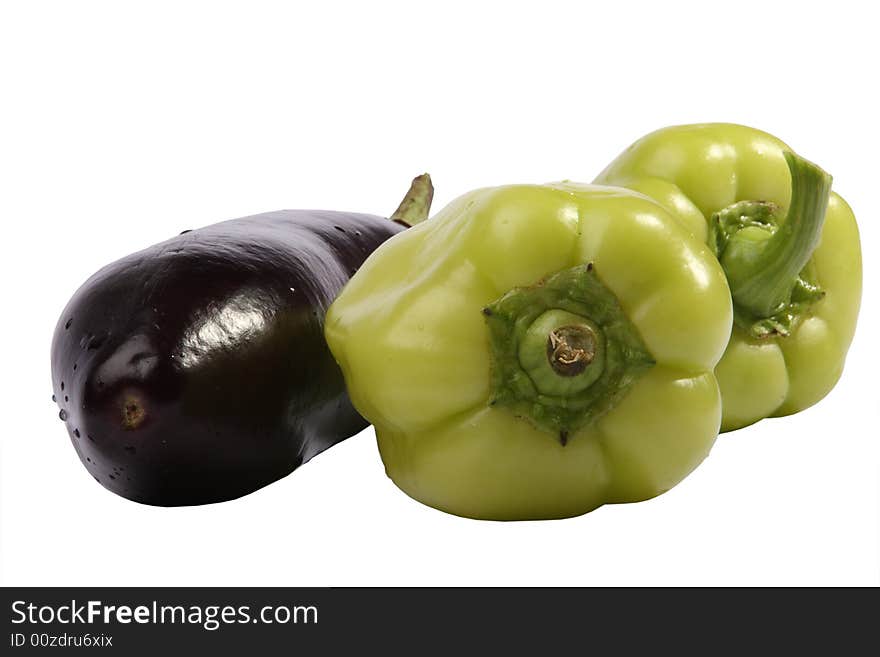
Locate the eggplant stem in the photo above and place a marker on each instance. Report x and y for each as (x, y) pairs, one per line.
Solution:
(416, 205)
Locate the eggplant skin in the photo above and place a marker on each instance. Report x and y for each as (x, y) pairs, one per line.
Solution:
(196, 371)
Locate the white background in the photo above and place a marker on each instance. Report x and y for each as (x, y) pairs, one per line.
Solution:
(124, 123)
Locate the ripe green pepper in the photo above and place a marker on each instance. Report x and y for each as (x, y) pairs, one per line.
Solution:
(537, 351)
(790, 251)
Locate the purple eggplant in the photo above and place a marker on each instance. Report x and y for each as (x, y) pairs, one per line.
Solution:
(195, 371)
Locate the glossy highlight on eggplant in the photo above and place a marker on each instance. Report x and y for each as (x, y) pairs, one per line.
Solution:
(196, 371)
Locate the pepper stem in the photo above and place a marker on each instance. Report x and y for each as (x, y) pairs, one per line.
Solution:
(563, 351)
(416, 205)
(570, 349)
(762, 271)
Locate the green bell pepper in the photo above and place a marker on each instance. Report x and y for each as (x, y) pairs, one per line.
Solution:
(790, 251)
(537, 351)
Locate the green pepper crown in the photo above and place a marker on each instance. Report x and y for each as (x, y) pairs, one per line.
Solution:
(766, 256)
(563, 351)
